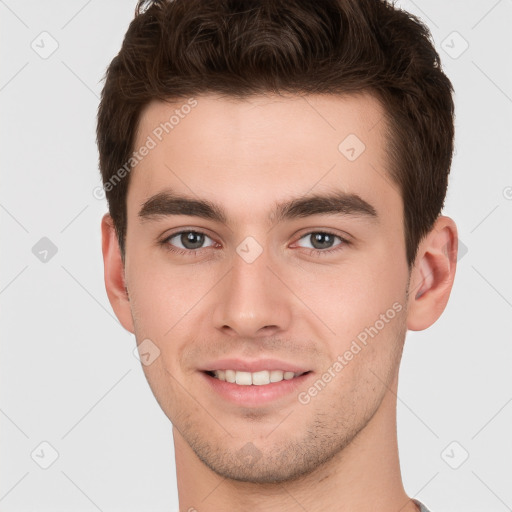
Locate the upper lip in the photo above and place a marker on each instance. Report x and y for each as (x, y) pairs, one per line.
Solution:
(245, 365)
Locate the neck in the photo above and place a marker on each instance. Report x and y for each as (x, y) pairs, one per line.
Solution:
(363, 477)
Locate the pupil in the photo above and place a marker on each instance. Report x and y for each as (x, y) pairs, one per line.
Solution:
(322, 240)
(192, 240)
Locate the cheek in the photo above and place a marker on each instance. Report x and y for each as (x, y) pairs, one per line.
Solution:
(163, 294)
(153, 302)
(360, 303)
(165, 302)
(343, 296)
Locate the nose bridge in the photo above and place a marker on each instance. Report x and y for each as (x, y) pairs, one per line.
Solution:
(251, 300)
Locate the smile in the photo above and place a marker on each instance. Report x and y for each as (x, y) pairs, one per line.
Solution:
(260, 378)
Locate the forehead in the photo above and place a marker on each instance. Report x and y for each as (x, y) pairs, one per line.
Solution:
(246, 154)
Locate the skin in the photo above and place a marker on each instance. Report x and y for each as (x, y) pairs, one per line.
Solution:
(339, 451)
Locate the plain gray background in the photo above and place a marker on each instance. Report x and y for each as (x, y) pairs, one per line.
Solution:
(69, 378)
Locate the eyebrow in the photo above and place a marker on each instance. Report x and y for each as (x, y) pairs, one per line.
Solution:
(168, 203)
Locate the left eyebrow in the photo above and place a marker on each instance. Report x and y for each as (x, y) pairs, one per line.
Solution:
(338, 203)
(167, 203)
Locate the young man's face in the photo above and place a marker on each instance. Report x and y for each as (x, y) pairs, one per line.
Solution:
(263, 286)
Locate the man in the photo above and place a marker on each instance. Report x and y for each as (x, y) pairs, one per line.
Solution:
(275, 173)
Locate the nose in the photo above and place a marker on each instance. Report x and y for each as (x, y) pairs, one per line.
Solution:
(252, 300)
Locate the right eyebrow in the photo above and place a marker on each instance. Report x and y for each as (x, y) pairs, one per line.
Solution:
(167, 203)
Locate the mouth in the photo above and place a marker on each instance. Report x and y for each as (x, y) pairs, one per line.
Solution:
(259, 378)
(255, 389)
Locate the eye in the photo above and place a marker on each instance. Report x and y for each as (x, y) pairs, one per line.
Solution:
(322, 241)
(184, 241)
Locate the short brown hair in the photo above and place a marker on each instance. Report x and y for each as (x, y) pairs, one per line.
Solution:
(178, 48)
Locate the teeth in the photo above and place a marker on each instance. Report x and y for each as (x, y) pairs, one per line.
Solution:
(243, 378)
(261, 378)
(276, 375)
(257, 378)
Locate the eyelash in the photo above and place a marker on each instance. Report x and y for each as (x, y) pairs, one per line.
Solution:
(310, 252)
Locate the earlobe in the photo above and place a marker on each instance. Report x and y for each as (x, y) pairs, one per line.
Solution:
(114, 274)
(432, 275)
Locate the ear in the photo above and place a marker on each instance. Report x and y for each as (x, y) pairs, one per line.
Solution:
(114, 273)
(432, 275)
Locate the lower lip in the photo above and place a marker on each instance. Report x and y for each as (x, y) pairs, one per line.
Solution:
(255, 395)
